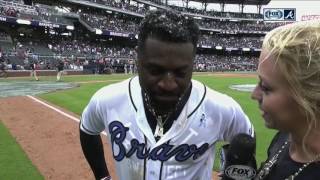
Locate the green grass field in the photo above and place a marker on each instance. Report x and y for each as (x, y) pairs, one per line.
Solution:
(14, 164)
(76, 99)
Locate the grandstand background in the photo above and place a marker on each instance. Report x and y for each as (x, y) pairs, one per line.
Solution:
(99, 36)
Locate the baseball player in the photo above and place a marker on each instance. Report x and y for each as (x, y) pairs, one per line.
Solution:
(3, 68)
(161, 124)
(33, 72)
(60, 67)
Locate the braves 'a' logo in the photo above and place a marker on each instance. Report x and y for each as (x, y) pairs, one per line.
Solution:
(163, 152)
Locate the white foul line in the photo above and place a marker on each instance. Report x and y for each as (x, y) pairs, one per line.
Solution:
(57, 110)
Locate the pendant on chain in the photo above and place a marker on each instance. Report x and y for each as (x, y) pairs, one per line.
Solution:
(158, 132)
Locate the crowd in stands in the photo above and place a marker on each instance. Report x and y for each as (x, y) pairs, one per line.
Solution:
(211, 63)
(129, 25)
(8, 11)
(15, 1)
(91, 53)
(230, 41)
(123, 5)
(193, 10)
(202, 63)
(4, 37)
(122, 59)
(218, 14)
(111, 23)
(82, 48)
(19, 10)
(210, 12)
(238, 26)
(114, 23)
(78, 54)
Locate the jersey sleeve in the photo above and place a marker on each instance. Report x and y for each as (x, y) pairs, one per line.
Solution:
(237, 122)
(91, 120)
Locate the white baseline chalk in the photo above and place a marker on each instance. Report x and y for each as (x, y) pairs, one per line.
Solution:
(57, 110)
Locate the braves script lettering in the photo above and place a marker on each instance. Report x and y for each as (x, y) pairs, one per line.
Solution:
(163, 152)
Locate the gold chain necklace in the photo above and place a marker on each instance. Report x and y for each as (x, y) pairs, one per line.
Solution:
(268, 166)
(159, 132)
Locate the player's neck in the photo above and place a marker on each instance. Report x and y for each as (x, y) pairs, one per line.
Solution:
(160, 110)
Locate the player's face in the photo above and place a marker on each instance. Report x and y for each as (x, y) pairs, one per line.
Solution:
(277, 106)
(165, 71)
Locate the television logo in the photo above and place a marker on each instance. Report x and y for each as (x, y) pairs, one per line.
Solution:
(240, 172)
(278, 14)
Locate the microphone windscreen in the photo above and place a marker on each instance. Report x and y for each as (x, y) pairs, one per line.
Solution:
(242, 148)
(239, 162)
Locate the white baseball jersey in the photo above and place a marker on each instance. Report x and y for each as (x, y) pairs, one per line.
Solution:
(187, 149)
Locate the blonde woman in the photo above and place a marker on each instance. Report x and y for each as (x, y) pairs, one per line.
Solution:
(288, 94)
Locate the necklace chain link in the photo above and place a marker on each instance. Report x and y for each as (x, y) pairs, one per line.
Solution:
(161, 119)
(268, 166)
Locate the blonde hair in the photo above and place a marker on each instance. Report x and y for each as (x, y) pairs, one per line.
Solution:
(296, 48)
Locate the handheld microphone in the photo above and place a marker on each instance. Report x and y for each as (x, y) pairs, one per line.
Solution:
(238, 158)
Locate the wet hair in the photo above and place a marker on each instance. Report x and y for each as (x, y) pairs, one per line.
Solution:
(168, 25)
(296, 48)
